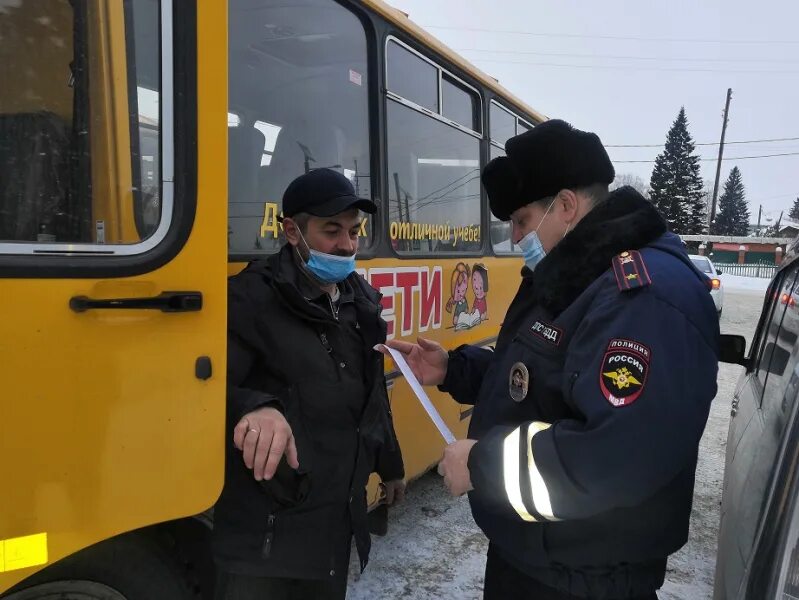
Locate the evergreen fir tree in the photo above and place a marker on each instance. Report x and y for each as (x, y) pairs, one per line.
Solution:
(794, 214)
(676, 187)
(733, 215)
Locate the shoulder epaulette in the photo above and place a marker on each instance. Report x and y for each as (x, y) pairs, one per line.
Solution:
(630, 271)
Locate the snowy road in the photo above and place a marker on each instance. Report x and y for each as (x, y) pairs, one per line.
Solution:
(434, 550)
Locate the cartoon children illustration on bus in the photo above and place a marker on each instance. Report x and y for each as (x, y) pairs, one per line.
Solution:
(458, 305)
(459, 283)
(480, 289)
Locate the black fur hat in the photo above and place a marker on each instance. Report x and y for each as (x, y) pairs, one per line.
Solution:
(550, 157)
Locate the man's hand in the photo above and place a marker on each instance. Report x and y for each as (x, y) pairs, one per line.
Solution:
(264, 436)
(395, 491)
(428, 360)
(454, 467)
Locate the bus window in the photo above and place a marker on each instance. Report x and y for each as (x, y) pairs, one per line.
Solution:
(523, 126)
(501, 231)
(502, 124)
(505, 124)
(460, 104)
(433, 165)
(412, 77)
(434, 184)
(75, 171)
(298, 101)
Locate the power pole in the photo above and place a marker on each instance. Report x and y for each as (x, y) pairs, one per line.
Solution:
(399, 195)
(721, 154)
(759, 212)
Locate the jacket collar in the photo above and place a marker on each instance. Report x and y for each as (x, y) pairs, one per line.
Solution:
(298, 291)
(625, 221)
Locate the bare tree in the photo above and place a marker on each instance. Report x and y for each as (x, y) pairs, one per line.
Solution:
(633, 181)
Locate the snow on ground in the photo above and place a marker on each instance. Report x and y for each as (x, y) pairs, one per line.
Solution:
(744, 284)
(434, 551)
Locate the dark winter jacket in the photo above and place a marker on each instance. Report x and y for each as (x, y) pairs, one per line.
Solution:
(287, 349)
(590, 411)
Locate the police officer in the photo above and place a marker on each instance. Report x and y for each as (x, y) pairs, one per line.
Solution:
(587, 417)
(307, 409)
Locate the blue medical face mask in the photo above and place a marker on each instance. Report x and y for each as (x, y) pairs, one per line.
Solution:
(532, 249)
(328, 268)
(531, 245)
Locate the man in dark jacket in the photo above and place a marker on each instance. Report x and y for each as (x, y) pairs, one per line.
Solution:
(307, 409)
(583, 443)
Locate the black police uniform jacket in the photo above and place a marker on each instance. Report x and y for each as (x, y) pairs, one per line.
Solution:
(589, 413)
(287, 349)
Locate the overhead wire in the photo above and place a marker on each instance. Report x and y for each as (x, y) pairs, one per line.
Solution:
(636, 68)
(631, 57)
(723, 159)
(607, 37)
(763, 141)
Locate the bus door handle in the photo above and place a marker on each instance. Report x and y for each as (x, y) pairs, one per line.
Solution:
(165, 302)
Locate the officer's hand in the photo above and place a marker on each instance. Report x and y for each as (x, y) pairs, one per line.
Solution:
(428, 360)
(395, 491)
(264, 436)
(454, 466)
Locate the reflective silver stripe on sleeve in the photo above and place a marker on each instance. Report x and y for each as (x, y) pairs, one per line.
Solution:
(510, 468)
(540, 493)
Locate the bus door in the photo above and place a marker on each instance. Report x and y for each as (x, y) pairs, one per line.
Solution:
(112, 270)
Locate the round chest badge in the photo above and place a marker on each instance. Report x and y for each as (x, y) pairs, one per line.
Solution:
(518, 381)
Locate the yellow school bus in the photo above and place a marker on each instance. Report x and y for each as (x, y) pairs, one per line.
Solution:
(125, 201)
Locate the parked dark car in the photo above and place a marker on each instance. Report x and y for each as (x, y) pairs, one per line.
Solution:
(758, 548)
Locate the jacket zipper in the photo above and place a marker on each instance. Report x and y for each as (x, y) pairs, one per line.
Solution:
(329, 349)
(333, 309)
(269, 538)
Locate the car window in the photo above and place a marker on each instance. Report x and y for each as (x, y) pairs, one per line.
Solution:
(702, 264)
(775, 345)
(783, 353)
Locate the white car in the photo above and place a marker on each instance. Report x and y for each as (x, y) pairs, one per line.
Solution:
(704, 264)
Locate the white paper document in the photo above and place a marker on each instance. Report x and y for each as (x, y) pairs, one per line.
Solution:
(417, 388)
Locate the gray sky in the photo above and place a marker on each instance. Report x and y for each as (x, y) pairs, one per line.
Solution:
(752, 47)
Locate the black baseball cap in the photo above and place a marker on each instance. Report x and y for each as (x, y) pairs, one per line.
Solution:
(323, 193)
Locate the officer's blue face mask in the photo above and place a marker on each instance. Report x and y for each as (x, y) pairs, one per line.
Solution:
(531, 245)
(532, 249)
(328, 268)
